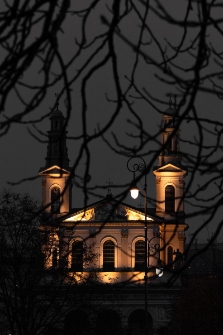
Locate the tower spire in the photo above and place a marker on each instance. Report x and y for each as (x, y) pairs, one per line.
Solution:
(57, 153)
(56, 174)
(170, 173)
(170, 137)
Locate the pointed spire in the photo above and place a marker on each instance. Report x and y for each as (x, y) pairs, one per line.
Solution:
(170, 136)
(57, 148)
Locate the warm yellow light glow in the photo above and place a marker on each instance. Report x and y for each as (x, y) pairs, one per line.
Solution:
(84, 216)
(131, 215)
(134, 193)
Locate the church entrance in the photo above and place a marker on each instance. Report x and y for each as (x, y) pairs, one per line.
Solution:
(136, 322)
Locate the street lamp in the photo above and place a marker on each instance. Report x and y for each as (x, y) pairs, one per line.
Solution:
(141, 167)
(134, 191)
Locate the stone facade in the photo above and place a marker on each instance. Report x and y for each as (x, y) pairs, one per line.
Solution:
(108, 239)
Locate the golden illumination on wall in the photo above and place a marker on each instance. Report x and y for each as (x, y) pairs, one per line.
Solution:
(83, 216)
(136, 216)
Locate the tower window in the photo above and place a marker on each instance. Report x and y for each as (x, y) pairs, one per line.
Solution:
(77, 256)
(108, 256)
(170, 199)
(169, 144)
(140, 256)
(55, 200)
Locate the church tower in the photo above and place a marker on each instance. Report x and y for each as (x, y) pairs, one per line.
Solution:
(170, 173)
(56, 174)
(169, 178)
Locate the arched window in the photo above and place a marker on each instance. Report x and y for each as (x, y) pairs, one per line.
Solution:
(77, 256)
(108, 256)
(140, 256)
(169, 199)
(170, 257)
(54, 258)
(55, 200)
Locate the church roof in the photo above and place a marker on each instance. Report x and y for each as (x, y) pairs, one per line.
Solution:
(54, 170)
(169, 167)
(108, 211)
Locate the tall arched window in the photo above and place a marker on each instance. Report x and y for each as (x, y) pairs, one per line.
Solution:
(55, 200)
(169, 199)
(140, 256)
(170, 257)
(77, 256)
(108, 256)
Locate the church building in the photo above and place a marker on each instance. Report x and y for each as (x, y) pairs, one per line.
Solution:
(107, 238)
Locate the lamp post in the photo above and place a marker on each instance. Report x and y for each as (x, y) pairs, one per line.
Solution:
(141, 167)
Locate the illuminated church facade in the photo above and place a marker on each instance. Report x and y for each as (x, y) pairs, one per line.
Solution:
(115, 232)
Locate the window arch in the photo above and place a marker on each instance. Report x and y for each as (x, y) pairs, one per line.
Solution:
(108, 255)
(77, 255)
(169, 199)
(140, 255)
(55, 200)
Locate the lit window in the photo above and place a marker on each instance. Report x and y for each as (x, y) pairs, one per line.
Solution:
(170, 199)
(55, 200)
(108, 256)
(140, 256)
(77, 256)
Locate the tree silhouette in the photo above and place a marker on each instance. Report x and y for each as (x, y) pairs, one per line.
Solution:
(113, 48)
(33, 297)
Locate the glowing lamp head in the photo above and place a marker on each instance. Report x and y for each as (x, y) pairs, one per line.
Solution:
(159, 272)
(159, 269)
(134, 192)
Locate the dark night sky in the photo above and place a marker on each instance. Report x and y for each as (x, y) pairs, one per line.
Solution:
(22, 155)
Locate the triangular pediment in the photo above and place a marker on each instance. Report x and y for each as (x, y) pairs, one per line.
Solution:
(169, 168)
(54, 170)
(108, 211)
